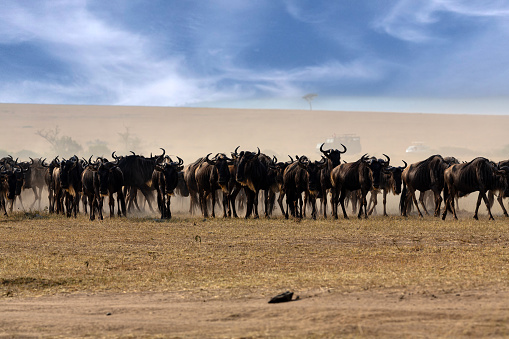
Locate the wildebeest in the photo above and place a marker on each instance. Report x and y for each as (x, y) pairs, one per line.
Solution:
(37, 183)
(424, 175)
(165, 179)
(190, 180)
(50, 182)
(212, 175)
(252, 174)
(390, 181)
(8, 183)
(363, 175)
(333, 159)
(302, 176)
(137, 171)
(479, 175)
(70, 184)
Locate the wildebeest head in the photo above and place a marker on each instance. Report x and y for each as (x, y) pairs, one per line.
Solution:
(376, 166)
(245, 158)
(334, 155)
(395, 173)
(221, 162)
(313, 172)
(66, 170)
(104, 175)
(170, 171)
(8, 178)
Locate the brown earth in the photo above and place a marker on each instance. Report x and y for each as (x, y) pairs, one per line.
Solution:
(321, 313)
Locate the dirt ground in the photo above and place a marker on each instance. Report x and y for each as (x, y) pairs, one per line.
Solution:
(321, 313)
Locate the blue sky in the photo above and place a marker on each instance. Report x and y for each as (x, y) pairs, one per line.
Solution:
(446, 56)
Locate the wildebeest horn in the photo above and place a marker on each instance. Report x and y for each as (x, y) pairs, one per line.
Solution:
(344, 151)
(274, 159)
(31, 160)
(323, 161)
(388, 160)
(303, 161)
(258, 151)
(405, 165)
(43, 164)
(363, 158)
(164, 152)
(180, 160)
(114, 156)
(90, 160)
(236, 150)
(324, 152)
(132, 152)
(209, 161)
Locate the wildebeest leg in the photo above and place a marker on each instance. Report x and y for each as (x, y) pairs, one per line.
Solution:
(334, 200)
(111, 203)
(482, 194)
(421, 200)
(232, 199)
(121, 199)
(362, 205)
(373, 200)
(255, 201)
(385, 202)
(412, 196)
(342, 202)
(250, 201)
(280, 202)
(91, 202)
(100, 201)
(501, 202)
(213, 203)
(438, 203)
(168, 203)
(226, 204)
(312, 201)
(51, 204)
(84, 201)
(203, 203)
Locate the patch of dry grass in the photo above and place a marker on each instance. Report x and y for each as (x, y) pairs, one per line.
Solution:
(41, 255)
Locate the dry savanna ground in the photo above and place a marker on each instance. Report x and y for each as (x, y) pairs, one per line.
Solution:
(189, 277)
(195, 277)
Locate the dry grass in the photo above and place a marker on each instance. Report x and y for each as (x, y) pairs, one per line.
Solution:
(44, 255)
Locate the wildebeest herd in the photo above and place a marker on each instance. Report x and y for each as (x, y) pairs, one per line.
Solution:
(248, 177)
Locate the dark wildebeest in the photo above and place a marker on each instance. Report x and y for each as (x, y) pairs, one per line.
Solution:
(363, 175)
(110, 180)
(499, 192)
(212, 175)
(70, 183)
(479, 175)
(280, 169)
(190, 180)
(88, 178)
(422, 176)
(390, 181)
(50, 183)
(8, 183)
(252, 174)
(37, 180)
(302, 176)
(333, 159)
(166, 179)
(137, 171)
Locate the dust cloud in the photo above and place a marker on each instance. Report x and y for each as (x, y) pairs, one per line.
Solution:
(194, 132)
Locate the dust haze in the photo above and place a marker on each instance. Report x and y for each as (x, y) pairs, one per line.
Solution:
(194, 132)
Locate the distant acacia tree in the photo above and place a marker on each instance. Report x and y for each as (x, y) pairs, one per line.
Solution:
(64, 146)
(309, 97)
(129, 141)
